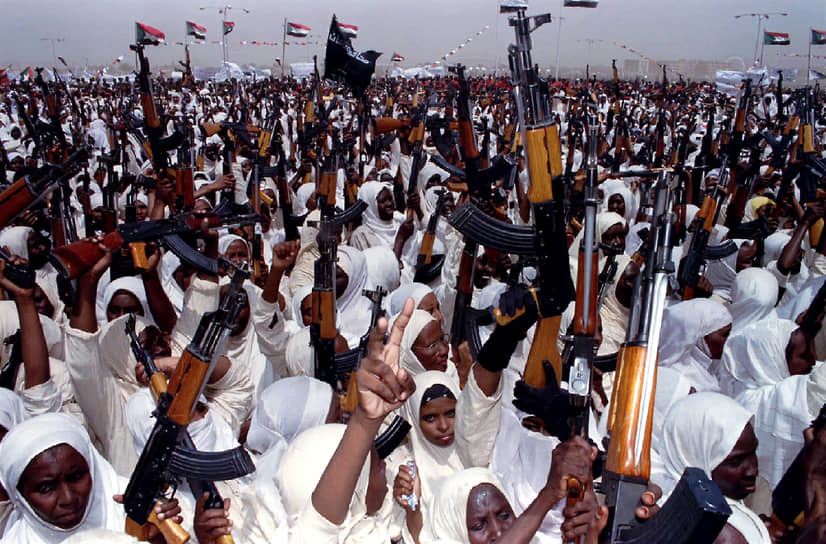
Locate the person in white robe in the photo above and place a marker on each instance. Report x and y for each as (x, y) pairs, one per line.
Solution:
(286, 409)
(753, 297)
(433, 462)
(703, 430)
(25, 442)
(757, 372)
(301, 468)
(686, 343)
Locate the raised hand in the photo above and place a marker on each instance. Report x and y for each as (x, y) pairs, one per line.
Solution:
(382, 384)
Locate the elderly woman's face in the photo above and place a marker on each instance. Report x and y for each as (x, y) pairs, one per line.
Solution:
(57, 484)
(431, 347)
(488, 514)
(736, 476)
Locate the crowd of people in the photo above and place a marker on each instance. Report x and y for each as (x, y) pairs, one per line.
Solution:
(738, 380)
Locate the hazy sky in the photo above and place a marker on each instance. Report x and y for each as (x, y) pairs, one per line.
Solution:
(420, 30)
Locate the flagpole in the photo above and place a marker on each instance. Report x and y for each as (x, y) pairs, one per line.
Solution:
(809, 63)
(284, 48)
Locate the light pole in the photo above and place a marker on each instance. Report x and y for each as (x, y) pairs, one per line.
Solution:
(54, 50)
(558, 37)
(224, 10)
(760, 16)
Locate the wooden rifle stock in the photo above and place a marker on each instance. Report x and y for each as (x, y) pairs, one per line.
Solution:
(383, 125)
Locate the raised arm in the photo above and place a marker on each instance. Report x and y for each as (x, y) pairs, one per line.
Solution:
(383, 387)
(83, 312)
(32, 341)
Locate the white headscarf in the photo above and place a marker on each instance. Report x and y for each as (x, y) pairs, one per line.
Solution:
(301, 468)
(285, 409)
(753, 297)
(385, 230)
(671, 387)
(701, 431)
(416, 291)
(773, 246)
(227, 240)
(169, 265)
(721, 273)
(100, 536)
(447, 520)
(355, 309)
(682, 339)
(49, 287)
(300, 353)
(303, 292)
(617, 187)
(382, 268)
(434, 463)
(11, 409)
(755, 372)
(28, 440)
(408, 360)
(131, 285)
(16, 239)
(302, 196)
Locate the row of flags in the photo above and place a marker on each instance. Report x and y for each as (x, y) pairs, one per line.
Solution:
(818, 37)
(148, 35)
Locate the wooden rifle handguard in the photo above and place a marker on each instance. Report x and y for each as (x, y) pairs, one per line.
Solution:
(171, 531)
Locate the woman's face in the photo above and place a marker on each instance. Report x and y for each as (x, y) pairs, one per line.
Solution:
(616, 204)
(141, 211)
(431, 347)
(488, 514)
(436, 421)
(123, 303)
(800, 356)
(430, 304)
(736, 476)
(385, 204)
(342, 280)
(717, 340)
(615, 236)
(307, 310)
(745, 256)
(41, 302)
(57, 484)
(237, 253)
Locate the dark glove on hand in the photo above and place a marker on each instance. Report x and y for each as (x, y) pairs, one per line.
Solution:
(497, 351)
(549, 404)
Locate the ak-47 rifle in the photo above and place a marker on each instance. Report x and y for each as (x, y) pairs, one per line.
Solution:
(347, 363)
(580, 365)
(614, 111)
(175, 408)
(184, 188)
(427, 269)
(323, 330)
(699, 251)
(31, 130)
(540, 135)
(223, 461)
(739, 192)
(52, 100)
(261, 161)
(74, 259)
(696, 511)
(419, 158)
(33, 188)
(8, 374)
(187, 66)
(152, 115)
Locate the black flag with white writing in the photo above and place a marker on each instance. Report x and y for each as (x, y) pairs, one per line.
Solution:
(346, 65)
